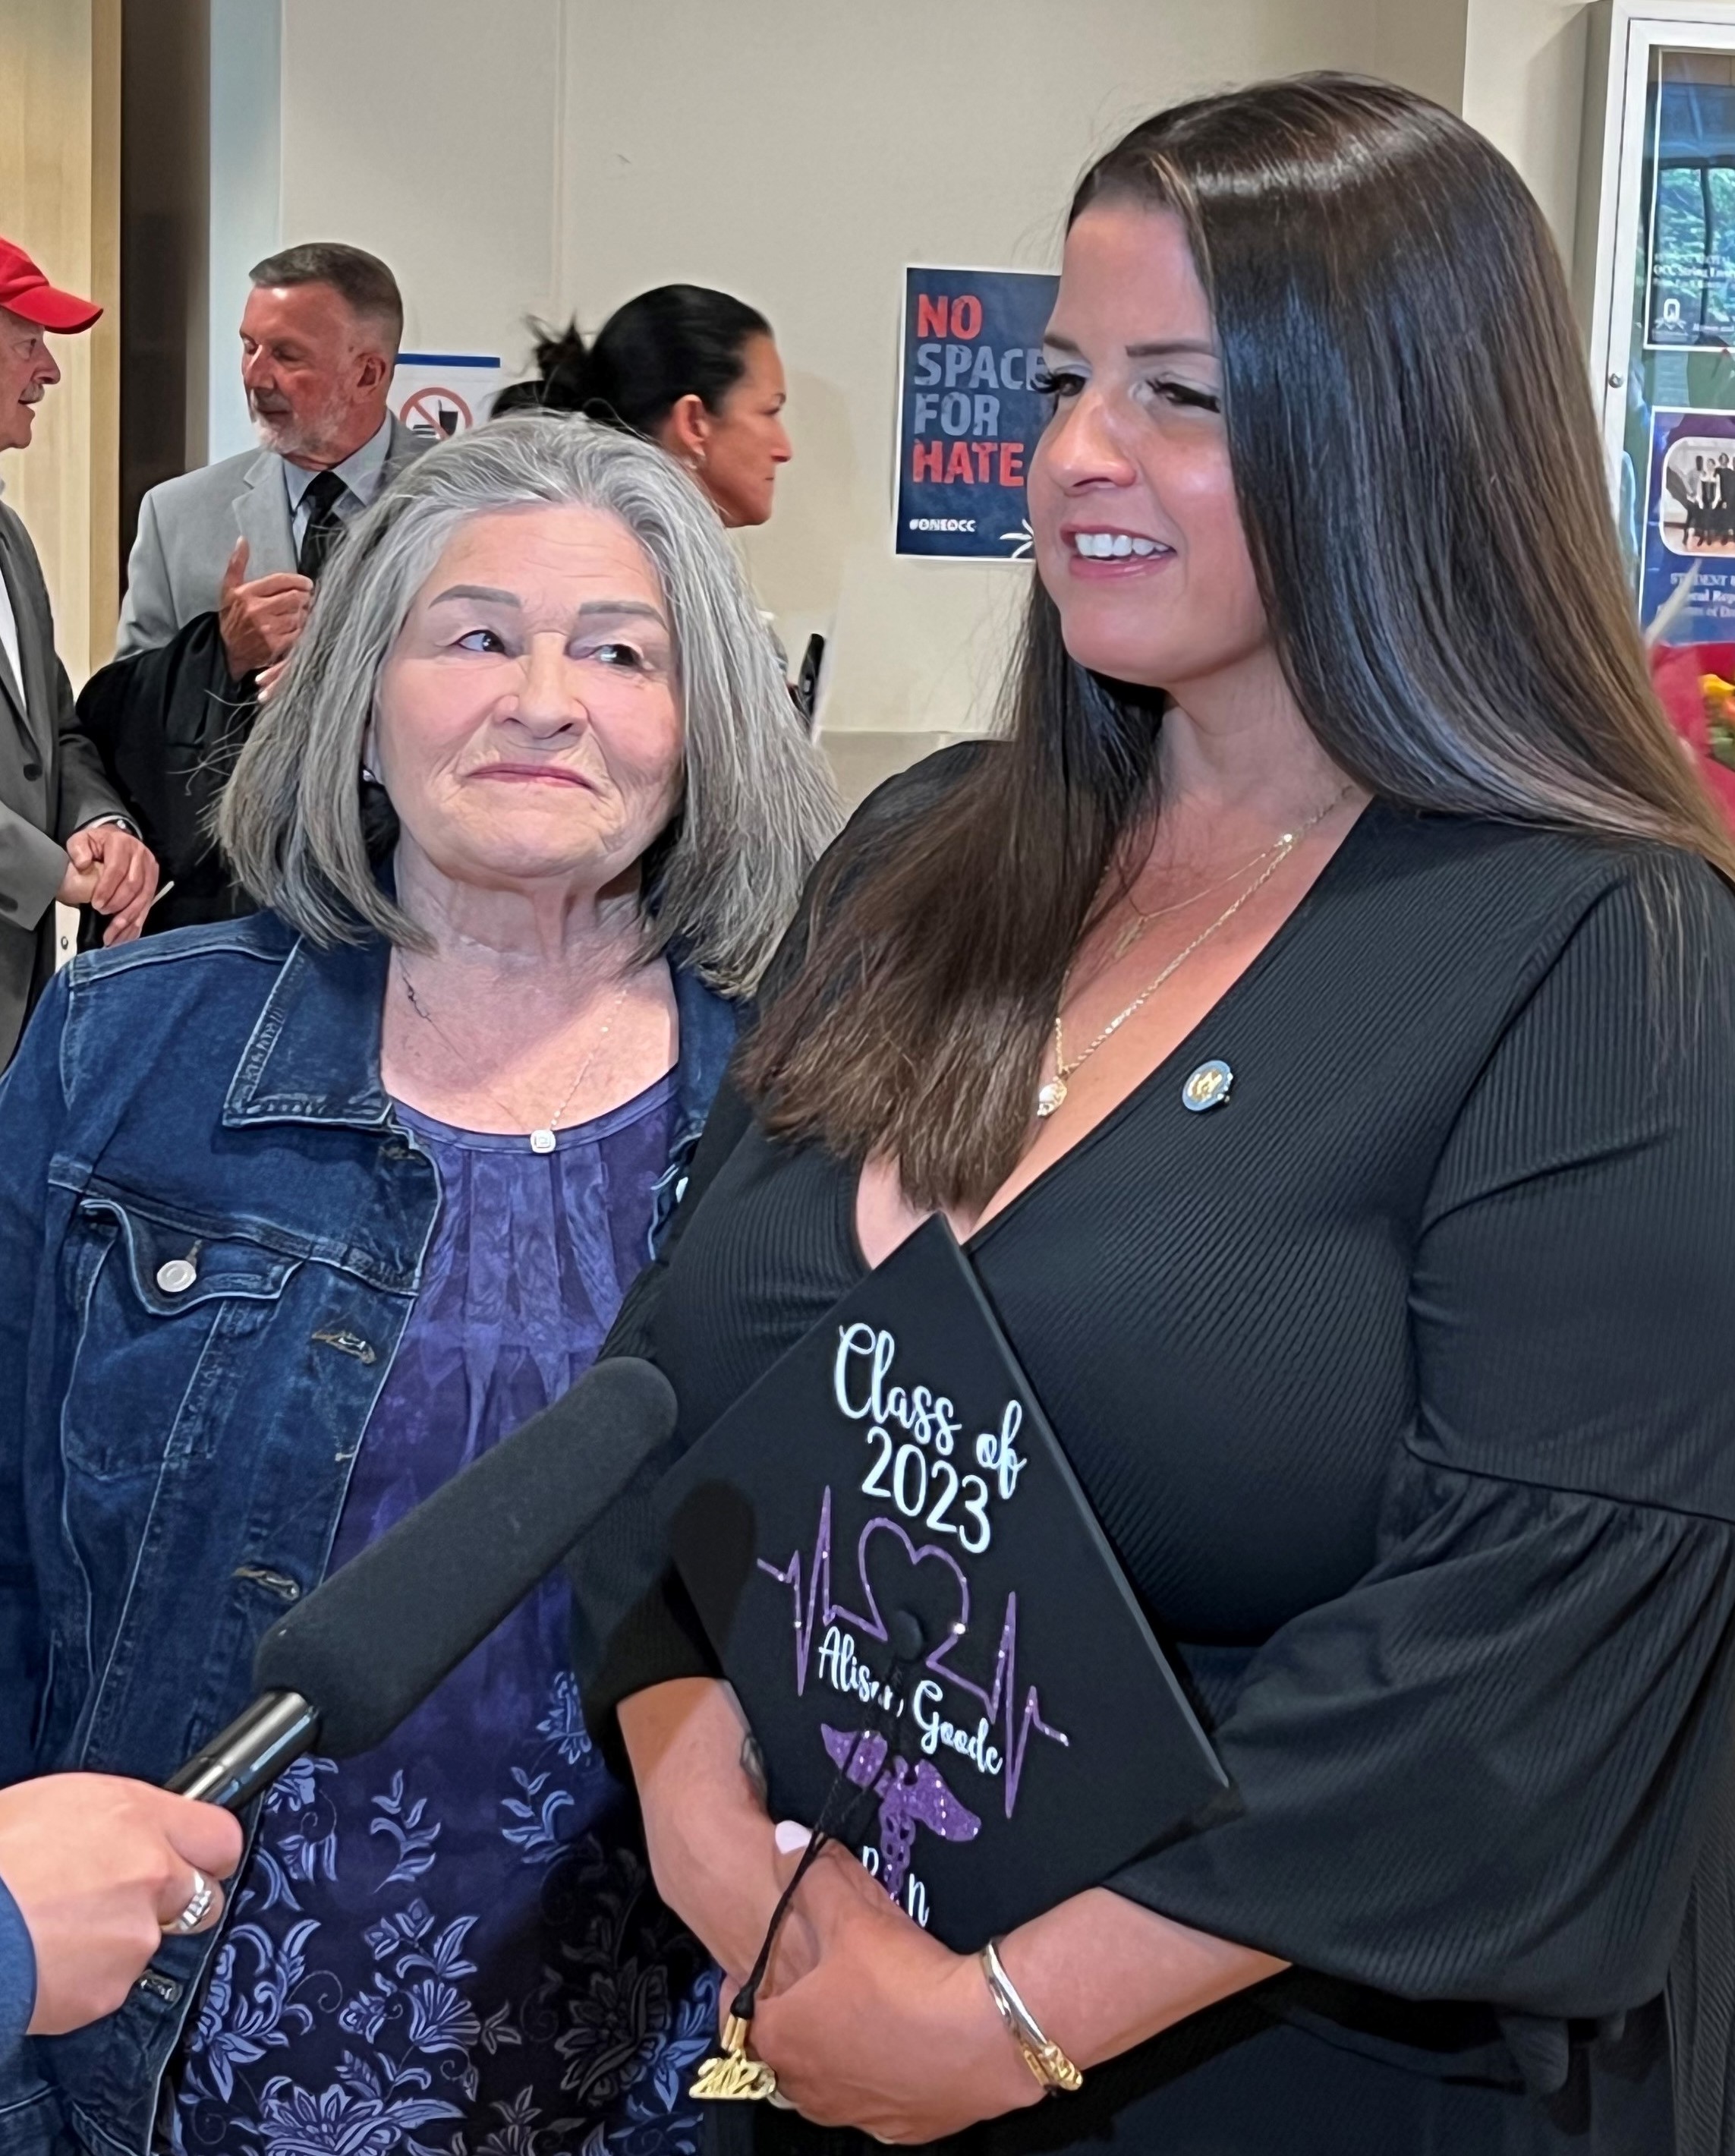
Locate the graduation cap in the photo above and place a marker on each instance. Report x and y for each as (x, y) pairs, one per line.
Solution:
(907, 1589)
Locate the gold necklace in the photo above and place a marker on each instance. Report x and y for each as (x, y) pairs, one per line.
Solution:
(1137, 926)
(542, 1137)
(1051, 1095)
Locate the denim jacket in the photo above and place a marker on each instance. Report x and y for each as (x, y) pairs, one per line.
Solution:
(211, 1232)
(17, 1977)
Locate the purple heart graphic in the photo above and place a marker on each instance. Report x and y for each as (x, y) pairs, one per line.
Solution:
(873, 1623)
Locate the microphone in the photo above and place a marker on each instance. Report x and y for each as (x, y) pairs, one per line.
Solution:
(366, 1647)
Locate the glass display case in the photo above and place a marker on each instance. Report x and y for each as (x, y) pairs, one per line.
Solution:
(1662, 197)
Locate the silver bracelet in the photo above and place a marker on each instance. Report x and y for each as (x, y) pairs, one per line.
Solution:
(1046, 2060)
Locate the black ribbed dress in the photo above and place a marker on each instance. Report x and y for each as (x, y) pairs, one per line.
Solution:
(1403, 1385)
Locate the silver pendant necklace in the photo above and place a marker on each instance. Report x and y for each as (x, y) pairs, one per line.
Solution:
(542, 1137)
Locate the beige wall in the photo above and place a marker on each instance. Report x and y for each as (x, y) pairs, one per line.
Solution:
(532, 156)
(1420, 43)
(545, 156)
(1524, 87)
(59, 187)
(430, 131)
(881, 136)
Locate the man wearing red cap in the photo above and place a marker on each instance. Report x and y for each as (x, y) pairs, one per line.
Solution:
(63, 834)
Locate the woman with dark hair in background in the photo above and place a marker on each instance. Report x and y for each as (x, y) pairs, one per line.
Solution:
(692, 370)
(1336, 803)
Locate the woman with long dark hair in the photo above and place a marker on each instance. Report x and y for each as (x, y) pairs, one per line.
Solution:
(697, 372)
(1335, 808)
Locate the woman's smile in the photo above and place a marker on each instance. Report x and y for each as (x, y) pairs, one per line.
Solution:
(533, 774)
(537, 659)
(1094, 552)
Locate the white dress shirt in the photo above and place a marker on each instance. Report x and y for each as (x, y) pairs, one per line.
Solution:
(9, 630)
(9, 645)
(9, 637)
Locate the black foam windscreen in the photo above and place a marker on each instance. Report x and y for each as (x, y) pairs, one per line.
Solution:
(368, 1647)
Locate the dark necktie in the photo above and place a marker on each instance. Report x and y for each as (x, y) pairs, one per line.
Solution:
(325, 491)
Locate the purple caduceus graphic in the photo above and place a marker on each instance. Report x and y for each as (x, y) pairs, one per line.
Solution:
(908, 1796)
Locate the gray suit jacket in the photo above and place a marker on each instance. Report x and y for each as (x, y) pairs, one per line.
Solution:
(187, 530)
(51, 782)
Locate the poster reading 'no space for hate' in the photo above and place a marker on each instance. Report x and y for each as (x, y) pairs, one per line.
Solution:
(968, 417)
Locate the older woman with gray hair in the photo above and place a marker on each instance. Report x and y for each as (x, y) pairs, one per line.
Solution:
(299, 1213)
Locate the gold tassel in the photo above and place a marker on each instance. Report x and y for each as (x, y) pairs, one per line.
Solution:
(730, 2075)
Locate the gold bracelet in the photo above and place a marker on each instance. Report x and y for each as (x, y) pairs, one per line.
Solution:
(1046, 2061)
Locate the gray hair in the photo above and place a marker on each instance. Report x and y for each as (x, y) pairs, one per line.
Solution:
(360, 279)
(758, 804)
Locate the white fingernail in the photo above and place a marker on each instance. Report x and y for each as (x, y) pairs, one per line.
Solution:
(789, 1835)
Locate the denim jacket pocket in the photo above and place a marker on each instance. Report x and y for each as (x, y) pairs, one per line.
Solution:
(167, 1313)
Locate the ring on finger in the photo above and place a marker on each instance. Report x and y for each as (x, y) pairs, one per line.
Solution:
(198, 1906)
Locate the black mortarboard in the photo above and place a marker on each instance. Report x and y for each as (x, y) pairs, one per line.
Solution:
(886, 1512)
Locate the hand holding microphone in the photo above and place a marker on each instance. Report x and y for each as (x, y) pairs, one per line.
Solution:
(100, 1868)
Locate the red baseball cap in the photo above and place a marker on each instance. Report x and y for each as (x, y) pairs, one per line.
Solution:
(26, 291)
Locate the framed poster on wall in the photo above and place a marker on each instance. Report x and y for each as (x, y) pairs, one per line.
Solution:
(1659, 206)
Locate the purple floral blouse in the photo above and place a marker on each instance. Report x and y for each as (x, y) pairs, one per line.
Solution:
(452, 1946)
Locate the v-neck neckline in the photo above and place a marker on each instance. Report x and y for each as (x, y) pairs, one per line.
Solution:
(1354, 842)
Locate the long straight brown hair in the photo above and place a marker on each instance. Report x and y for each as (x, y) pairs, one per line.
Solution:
(1420, 481)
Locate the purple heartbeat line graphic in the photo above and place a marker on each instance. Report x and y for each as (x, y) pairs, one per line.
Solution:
(815, 1608)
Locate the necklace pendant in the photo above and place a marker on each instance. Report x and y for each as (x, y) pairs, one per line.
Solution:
(1050, 1098)
(541, 1140)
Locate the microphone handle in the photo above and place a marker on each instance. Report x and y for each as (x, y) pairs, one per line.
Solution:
(248, 1756)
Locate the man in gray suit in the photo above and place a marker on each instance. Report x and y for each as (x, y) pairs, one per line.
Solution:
(63, 833)
(222, 569)
(245, 538)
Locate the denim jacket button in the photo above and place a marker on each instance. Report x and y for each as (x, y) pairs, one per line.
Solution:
(177, 1275)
